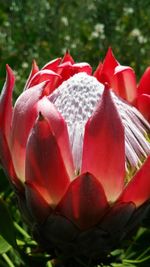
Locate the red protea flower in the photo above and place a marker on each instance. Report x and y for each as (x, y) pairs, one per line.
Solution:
(77, 155)
(123, 81)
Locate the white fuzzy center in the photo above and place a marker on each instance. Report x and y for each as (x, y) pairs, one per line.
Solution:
(76, 99)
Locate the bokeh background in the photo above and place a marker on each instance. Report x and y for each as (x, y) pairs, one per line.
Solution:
(43, 30)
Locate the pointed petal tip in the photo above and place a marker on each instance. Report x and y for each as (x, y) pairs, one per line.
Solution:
(110, 51)
(10, 72)
(8, 67)
(34, 62)
(67, 57)
(111, 57)
(6, 102)
(40, 117)
(106, 86)
(34, 70)
(45, 166)
(34, 65)
(67, 51)
(59, 128)
(103, 131)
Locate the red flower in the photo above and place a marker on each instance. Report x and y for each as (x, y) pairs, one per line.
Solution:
(123, 81)
(74, 152)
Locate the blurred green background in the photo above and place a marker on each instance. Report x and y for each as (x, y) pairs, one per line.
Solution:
(43, 30)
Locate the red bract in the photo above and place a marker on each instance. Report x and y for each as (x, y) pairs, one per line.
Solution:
(123, 81)
(71, 145)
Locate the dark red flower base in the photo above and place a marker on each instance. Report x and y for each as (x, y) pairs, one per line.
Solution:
(68, 244)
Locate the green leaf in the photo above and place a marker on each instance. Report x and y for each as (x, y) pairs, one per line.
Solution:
(4, 246)
(7, 230)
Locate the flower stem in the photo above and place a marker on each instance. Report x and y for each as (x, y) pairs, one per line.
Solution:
(8, 260)
(21, 230)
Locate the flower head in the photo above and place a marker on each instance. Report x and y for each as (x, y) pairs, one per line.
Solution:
(76, 150)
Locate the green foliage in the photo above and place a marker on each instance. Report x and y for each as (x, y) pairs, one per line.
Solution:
(4, 245)
(6, 225)
(44, 29)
